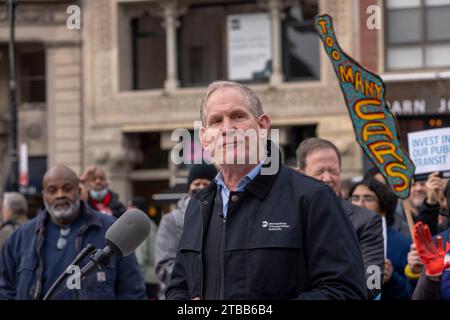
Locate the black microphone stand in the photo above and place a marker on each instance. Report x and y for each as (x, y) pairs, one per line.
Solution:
(99, 258)
(83, 254)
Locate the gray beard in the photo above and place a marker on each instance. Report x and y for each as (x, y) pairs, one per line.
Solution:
(63, 214)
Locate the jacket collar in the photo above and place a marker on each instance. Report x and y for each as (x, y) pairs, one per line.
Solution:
(262, 184)
(89, 218)
(207, 193)
(347, 206)
(19, 218)
(259, 186)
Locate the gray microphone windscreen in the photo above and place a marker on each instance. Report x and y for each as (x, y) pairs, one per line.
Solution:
(129, 231)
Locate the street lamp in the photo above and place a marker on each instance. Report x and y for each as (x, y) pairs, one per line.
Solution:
(14, 172)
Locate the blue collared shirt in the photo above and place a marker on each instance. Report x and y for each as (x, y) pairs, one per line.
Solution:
(225, 192)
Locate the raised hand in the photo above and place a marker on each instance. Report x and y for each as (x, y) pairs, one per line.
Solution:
(431, 255)
(414, 261)
(435, 185)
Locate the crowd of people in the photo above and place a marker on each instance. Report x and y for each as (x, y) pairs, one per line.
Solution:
(239, 233)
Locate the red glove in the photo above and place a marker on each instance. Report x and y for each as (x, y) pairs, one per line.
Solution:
(431, 255)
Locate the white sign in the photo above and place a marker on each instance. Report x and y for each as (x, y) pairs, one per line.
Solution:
(249, 46)
(430, 150)
(23, 165)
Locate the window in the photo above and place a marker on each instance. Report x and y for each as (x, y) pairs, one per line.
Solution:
(301, 49)
(31, 75)
(201, 49)
(191, 151)
(149, 52)
(153, 157)
(203, 53)
(417, 34)
(294, 136)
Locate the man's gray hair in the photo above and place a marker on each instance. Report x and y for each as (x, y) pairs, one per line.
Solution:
(16, 202)
(253, 100)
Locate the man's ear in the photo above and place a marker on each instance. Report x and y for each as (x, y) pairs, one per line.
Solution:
(203, 138)
(264, 121)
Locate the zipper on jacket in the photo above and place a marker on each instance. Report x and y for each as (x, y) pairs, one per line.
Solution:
(201, 263)
(220, 254)
(40, 268)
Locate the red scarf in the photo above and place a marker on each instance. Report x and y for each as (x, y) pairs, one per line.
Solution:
(102, 206)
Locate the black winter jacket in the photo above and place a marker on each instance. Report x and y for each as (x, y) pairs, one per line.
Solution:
(286, 237)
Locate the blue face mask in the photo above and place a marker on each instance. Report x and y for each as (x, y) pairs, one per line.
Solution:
(98, 195)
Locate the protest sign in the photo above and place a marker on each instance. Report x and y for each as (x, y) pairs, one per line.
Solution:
(375, 126)
(430, 151)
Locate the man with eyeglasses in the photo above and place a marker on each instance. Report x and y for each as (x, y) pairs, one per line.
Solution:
(319, 158)
(38, 252)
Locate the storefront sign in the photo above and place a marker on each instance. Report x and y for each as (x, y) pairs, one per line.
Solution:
(419, 97)
(419, 107)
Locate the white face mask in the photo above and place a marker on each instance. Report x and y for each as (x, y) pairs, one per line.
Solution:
(63, 213)
(98, 195)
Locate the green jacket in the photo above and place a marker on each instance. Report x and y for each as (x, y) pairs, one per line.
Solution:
(145, 255)
(8, 227)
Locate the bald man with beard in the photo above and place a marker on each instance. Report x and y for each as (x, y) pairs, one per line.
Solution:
(38, 252)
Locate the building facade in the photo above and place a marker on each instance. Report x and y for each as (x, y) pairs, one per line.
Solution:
(412, 54)
(136, 70)
(49, 89)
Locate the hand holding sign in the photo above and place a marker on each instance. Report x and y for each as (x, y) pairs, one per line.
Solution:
(435, 186)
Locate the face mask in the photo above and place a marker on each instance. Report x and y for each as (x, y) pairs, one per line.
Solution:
(98, 195)
(195, 191)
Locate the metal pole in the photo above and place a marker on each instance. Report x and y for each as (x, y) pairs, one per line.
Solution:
(14, 173)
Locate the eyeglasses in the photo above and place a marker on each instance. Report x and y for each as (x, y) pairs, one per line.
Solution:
(365, 198)
(62, 241)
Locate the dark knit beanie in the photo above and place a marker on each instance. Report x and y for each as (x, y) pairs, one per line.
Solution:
(201, 171)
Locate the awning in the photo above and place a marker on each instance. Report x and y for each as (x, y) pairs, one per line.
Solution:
(170, 196)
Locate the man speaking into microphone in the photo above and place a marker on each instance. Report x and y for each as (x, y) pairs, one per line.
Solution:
(255, 233)
(38, 252)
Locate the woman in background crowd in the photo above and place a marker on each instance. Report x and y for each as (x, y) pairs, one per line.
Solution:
(373, 195)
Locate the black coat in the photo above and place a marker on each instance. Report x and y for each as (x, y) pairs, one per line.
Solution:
(369, 230)
(286, 237)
